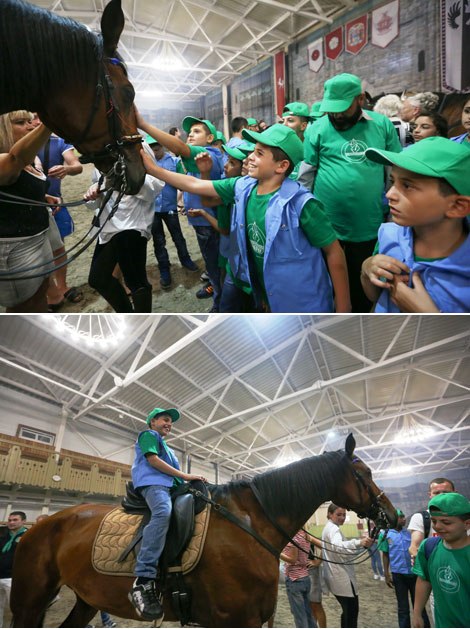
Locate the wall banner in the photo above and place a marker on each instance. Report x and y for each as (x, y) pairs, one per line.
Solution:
(334, 43)
(385, 24)
(356, 35)
(315, 55)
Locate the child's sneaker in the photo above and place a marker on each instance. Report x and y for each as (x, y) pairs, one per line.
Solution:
(146, 601)
(165, 278)
(205, 292)
(204, 277)
(190, 265)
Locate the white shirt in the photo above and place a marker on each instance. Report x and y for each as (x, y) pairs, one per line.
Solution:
(339, 577)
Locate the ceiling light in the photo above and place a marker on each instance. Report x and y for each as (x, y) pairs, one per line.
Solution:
(399, 468)
(168, 64)
(149, 93)
(286, 456)
(412, 431)
(102, 331)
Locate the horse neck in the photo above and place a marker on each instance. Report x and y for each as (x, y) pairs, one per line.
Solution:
(292, 494)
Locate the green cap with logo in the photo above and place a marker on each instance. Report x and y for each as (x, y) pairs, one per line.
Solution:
(400, 513)
(189, 121)
(251, 121)
(296, 109)
(432, 157)
(172, 412)
(281, 137)
(246, 147)
(220, 136)
(234, 152)
(339, 93)
(451, 504)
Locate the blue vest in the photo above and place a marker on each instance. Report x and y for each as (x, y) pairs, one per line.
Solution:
(143, 474)
(460, 138)
(166, 200)
(194, 200)
(295, 274)
(447, 281)
(398, 544)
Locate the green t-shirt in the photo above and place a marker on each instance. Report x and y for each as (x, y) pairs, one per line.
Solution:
(448, 571)
(190, 163)
(148, 444)
(313, 221)
(349, 185)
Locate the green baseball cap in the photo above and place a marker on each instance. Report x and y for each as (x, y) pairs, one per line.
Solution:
(220, 136)
(452, 504)
(315, 110)
(172, 412)
(339, 92)
(246, 147)
(251, 121)
(281, 137)
(234, 152)
(431, 157)
(400, 513)
(296, 109)
(189, 121)
(148, 138)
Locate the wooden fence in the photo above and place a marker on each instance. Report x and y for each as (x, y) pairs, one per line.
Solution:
(25, 463)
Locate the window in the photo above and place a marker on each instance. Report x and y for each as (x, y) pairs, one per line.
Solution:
(33, 434)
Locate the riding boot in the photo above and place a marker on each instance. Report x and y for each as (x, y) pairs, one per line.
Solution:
(142, 299)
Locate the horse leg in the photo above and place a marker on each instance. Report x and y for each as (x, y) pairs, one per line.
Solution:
(80, 615)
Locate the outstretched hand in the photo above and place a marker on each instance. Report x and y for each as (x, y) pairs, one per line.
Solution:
(204, 163)
(412, 299)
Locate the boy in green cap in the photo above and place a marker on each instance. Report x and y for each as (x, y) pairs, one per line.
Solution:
(154, 472)
(201, 135)
(296, 116)
(279, 231)
(443, 563)
(422, 258)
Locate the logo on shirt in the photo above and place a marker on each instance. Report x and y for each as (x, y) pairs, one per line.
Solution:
(448, 580)
(257, 239)
(354, 151)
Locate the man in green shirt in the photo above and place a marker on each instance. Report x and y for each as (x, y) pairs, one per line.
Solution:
(443, 563)
(335, 168)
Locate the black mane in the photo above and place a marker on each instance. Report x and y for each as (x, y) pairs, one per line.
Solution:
(40, 53)
(291, 491)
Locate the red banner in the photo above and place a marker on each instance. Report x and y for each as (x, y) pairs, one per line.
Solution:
(356, 35)
(280, 81)
(334, 43)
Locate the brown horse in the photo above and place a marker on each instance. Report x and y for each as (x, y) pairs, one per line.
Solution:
(74, 80)
(235, 583)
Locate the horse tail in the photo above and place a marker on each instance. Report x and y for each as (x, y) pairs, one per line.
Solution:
(35, 576)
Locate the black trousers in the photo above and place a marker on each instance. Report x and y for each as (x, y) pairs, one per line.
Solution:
(405, 585)
(356, 253)
(350, 610)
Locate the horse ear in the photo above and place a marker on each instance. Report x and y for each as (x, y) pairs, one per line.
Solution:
(112, 24)
(350, 445)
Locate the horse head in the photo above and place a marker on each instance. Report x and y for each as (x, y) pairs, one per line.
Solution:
(361, 494)
(105, 130)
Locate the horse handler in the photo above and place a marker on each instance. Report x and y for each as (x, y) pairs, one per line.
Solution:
(154, 472)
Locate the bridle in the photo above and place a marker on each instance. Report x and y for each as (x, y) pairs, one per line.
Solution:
(374, 500)
(105, 89)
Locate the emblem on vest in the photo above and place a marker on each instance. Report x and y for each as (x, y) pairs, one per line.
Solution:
(257, 239)
(354, 151)
(448, 580)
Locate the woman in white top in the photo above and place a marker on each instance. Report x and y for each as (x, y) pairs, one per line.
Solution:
(123, 241)
(340, 577)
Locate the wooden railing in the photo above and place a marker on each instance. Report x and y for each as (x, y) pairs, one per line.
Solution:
(26, 463)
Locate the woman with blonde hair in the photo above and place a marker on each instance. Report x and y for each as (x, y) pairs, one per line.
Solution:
(23, 226)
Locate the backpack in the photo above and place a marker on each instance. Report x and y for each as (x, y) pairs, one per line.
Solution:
(430, 545)
(426, 522)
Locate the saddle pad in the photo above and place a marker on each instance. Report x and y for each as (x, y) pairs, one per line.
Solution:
(117, 530)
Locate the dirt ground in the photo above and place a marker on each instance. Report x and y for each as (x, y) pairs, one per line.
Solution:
(179, 298)
(377, 606)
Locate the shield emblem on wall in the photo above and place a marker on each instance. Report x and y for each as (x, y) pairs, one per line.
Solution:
(315, 55)
(385, 24)
(356, 35)
(334, 43)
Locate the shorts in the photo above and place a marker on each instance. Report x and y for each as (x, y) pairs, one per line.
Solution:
(22, 253)
(54, 234)
(317, 586)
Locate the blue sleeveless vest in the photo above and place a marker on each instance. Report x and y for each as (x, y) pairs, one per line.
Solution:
(144, 474)
(447, 281)
(192, 200)
(295, 274)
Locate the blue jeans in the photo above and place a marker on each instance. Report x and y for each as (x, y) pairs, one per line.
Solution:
(208, 241)
(234, 299)
(154, 535)
(172, 222)
(298, 594)
(376, 560)
(405, 586)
